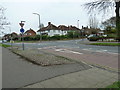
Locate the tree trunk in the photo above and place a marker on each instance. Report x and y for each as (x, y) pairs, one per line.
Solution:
(118, 20)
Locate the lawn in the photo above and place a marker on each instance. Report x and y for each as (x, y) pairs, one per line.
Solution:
(106, 44)
(4, 45)
(115, 85)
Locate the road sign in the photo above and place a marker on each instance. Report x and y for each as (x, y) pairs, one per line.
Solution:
(21, 24)
(22, 30)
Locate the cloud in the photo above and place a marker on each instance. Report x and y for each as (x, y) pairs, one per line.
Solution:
(45, 0)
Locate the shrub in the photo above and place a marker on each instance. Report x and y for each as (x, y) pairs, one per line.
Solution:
(56, 37)
(44, 37)
(63, 37)
(28, 38)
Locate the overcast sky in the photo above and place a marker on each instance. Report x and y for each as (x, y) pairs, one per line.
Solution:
(58, 12)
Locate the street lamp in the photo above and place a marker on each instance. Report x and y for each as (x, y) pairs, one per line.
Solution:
(82, 34)
(78, 23)
(39, 25)
(10, 35)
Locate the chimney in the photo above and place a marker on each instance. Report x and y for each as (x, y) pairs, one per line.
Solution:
(82, 27)
(49, 23)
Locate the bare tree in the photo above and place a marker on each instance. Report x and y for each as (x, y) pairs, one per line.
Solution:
(93, 22)
(105, 5)
(3, 20)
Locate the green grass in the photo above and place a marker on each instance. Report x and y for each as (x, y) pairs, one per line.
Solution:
(114, 85)
(25, 41)
(4, 45)
(106, 44)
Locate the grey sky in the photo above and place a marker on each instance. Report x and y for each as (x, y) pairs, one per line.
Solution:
(58, 12)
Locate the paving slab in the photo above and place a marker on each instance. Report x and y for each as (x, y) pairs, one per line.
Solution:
(91, 78)
(17, 72)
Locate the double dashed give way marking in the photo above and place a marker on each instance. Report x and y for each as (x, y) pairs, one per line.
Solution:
(67, 51)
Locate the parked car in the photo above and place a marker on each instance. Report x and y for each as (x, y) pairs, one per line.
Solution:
(93, 37)
(4, 41)
(0, 41)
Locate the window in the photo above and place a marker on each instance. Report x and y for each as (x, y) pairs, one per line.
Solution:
(54, 31)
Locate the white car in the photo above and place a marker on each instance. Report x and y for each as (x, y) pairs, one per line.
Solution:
(0, 41)
(104, 35)
(4, 41)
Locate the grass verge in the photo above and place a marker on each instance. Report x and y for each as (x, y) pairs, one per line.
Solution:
(115, 85)
(106, 44)
(4, 45)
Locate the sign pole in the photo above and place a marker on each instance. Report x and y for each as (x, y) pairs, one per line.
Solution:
(22, 31)
(22, 41)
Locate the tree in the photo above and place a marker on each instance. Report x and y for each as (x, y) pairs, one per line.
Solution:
(3, 20)
(109, 22)
(93, 22)
(105, 5)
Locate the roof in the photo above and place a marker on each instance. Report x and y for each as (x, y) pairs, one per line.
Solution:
(73, 28)
(14, 33)
(63, 27)
(49, 27)
(31, 30)
(60, 27)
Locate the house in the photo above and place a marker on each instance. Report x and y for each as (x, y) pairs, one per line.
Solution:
(6, 37)
(88, 31)
(29, 33)
(52, 30)
(13, 34)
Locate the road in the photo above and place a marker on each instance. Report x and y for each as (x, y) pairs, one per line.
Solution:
(106, 56)
(75, 44)
(18, 73)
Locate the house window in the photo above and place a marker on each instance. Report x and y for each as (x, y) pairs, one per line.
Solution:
(48, 30)
(54, 31)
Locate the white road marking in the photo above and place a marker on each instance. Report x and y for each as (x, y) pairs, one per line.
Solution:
(50, 47)
(101, 51)
(112, 53)
(67, 51)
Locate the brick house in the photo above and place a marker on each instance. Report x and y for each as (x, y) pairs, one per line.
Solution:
(29, 33)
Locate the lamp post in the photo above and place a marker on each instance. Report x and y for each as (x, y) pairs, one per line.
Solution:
(10, 35)
(82, 34)
(39, 25)
(78, 23)
(117, 3)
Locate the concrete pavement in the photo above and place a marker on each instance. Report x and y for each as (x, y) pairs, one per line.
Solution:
(91, 78)
(17, 72)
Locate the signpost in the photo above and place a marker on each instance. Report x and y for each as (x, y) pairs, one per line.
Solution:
(22, 31)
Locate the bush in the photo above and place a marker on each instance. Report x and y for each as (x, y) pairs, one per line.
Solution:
(63, 37)
(56, 37)
(28, 38)
(44, 37)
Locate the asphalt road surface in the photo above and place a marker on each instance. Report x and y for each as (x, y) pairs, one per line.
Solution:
(70, 44)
